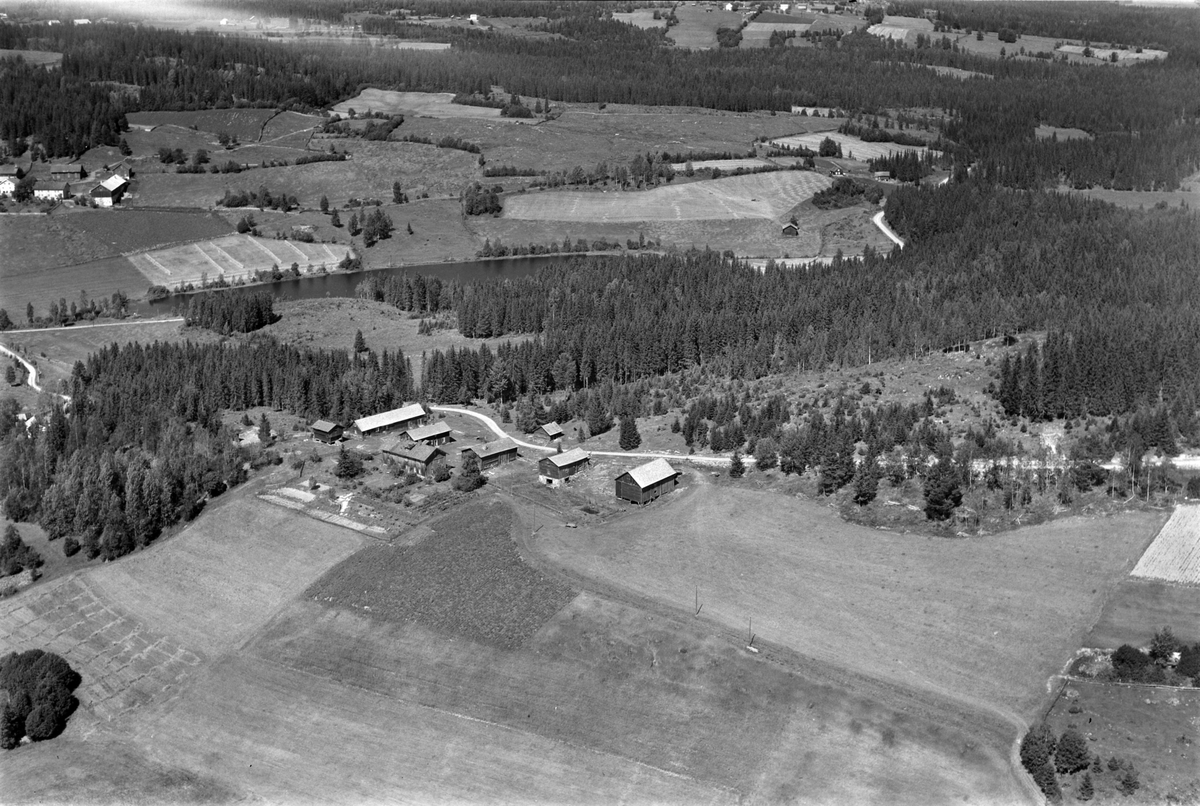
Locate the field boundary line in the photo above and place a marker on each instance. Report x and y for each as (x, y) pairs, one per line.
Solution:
(220, 269)
(265, 250)
(228, 256)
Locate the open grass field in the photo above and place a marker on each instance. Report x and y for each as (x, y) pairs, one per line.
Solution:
(1189, 196)
(755, 196)
(852, 147)
(291, 129)
(368, 175)
(1174, 556)
(724, 165)
(640, 18)
(1155, 729)
(697, 28)
(984, 621)
(1138, 607)
(20, 286)
(245, 124)
(418, 104)
(234, 256)
(758, 34)
(39, 58)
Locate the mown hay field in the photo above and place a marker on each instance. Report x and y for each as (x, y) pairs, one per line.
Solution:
(697, 28)
(852, 147)
(245, 124)
(767, 195)
(984, 620)
(1174, 556)
(640, 18)
(234, 256)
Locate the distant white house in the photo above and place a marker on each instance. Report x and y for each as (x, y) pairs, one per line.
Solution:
(783, 7)
(8, 185)
(474, 18)
(82, 21)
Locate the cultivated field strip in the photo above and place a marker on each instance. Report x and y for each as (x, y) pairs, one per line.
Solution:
(230, 257)
(1174, 556)
(768, 196)
(852, 147)
(124, 663)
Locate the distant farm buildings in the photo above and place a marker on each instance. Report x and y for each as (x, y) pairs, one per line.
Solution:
(326, 432)
(493, 454)
(556, 469)
(645, 483)
(432, 434)
(413, 457)
(409, 416)
(552, 431)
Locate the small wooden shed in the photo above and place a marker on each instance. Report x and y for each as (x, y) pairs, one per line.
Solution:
(326, 431)
(414, 457)
(552, 431)
(645, 483)
(556, 469)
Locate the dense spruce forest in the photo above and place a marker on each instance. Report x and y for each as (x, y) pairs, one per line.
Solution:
(1145, 118)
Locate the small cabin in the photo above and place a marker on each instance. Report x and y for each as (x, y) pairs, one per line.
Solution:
(413, 457)
(493, 454)
(551, 431)
(790, 230)
(325, 431)
(645, 483)
(556, 469)
(400, 419)
(432, 434)
(882, 176)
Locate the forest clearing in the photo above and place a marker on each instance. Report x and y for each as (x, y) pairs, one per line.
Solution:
(852, 147)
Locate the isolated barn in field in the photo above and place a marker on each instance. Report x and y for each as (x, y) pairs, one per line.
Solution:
(50, 189)
(495, 453)
(432, 434)
(110, 191)
(646, 483)
(413, 457)
(556, 469)
(326, 431)
(401, 419)
(790, 229)
(551, 431)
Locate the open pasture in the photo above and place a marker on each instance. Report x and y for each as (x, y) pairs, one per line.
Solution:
(640, 18)
(697, 28)
(724, 165)
(216, 583)
(852, 147)
(984, 620)
(1174, 556)
(766, 195)
(418, 104)
(37, 58)
(466, 579)
(624, 682)
(245, 124)
(21, 286)
(1044, 132)
(231, 257)
(758, 34)
(1138, 607)
(289, 129)
(369, 174)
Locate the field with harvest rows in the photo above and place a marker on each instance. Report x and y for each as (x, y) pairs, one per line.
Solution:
(1174, 556)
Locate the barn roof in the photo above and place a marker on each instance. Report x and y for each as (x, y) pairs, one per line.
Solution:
(323, 425)
(49, 184)
(406, 450)
(571, 457)
(493, 448)
(114, 182)
(652, 473)
(9, 170)
(552, 429)
(429, 431)
(410, 412)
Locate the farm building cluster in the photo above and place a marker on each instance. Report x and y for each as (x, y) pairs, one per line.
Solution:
(414, 442)
(102, 188)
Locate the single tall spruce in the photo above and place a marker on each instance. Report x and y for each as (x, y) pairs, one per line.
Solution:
(737, 468)
(629, 438)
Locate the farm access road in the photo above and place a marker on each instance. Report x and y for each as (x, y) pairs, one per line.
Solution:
(886, 230)
(30, 368)
(714, 461)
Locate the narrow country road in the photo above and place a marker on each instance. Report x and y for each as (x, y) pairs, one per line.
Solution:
(886, 230)
(102, 324)
(712, 461)
(31, 369)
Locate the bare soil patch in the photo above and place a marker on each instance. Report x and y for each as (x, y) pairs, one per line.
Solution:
(984, 620)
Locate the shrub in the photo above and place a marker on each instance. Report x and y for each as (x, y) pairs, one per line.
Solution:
(1164, 645)
(1129, 663)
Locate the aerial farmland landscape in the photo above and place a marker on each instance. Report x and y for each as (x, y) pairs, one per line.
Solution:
(632, 401)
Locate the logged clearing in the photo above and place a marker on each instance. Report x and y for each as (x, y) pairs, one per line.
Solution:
(235, 256)
(852, 147)
(219, 580)
(419, 104)
(767, 195)
(1174, 556)
(983, 620)
(1044, 132)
